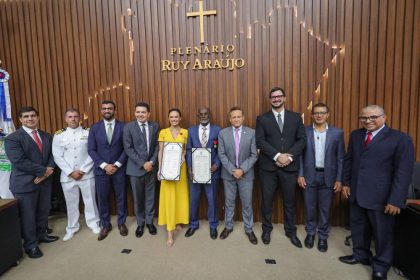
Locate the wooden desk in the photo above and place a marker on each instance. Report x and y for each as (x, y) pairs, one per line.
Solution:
(10, 238)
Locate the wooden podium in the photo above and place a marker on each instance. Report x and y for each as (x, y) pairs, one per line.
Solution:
(10, 238)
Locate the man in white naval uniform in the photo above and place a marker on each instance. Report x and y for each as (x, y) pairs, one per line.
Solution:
(69, 149)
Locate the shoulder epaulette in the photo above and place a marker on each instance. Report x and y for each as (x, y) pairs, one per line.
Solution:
(59, 131)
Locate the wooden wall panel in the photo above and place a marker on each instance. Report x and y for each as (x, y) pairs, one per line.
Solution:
(345, 53)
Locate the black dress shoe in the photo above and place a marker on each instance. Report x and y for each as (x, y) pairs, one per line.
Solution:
(252, 238)
(225, 233)
(140, 231)
(265, 237)
(378, 276)
(34, 253)
(104, 233)
(322, 245)
(152, 229)
(309, 241)
(351, 260)
(48, 239)
(213, 233)
(123, 230)
(295, 241)
(190, 232)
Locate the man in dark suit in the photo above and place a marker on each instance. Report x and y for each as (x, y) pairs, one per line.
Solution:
(281, 138)
(29, 151)
(142, 147)
(238, 154)
(377, 171)
(203, 136)
(320, 174)
(105, 147)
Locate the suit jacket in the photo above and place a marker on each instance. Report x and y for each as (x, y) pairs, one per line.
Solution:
(212, 143)
(381, 173)
(27, 160)
(333, 160)
(135, 147)
(247, 152)
(101, 151)
(271, 141)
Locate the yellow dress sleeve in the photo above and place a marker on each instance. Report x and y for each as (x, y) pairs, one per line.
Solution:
(185, 134)
(162, 135)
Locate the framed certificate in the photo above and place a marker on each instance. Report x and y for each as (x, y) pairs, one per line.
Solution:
(171, 161)
(201, 164)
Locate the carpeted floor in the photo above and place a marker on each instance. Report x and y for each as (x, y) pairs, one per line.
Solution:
(197, 257)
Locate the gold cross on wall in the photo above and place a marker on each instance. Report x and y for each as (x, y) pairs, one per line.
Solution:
(201, 13)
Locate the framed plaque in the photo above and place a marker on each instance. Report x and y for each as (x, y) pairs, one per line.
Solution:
(201, 164)
(171, 161)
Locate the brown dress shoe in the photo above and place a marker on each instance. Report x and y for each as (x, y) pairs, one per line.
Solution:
(123, 230)
(104, 233)
(252, 238)
(225, 233)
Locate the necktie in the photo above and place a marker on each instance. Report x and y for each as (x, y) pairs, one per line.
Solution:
(143, 131)
(237, 147)
(204, 137)
(280, 122)
(109, 133)
(368, 138)
(37, 140)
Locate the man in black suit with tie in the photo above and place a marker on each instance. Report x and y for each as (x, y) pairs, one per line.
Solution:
(281, 138)
(378, 168)
(29, 151)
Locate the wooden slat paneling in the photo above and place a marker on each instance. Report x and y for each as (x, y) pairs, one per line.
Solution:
(74, 53)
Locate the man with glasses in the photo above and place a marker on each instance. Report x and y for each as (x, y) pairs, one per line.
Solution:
(377, 171)
(320, 174)
(281, 138)
(105, 147)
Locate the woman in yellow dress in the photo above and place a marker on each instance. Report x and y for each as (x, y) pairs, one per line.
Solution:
(173, 200)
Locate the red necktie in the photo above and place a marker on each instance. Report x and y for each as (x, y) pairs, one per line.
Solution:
(368, 138)
(37, 140)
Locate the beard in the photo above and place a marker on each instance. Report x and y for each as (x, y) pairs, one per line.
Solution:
(108, 116)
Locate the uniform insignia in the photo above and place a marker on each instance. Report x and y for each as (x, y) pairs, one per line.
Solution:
(60, 131)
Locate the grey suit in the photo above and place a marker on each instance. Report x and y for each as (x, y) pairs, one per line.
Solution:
(142, 183)
(34, 200)
(247, 159)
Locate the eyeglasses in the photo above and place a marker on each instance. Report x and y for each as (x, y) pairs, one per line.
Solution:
(276, 96)
(370, 118)
(319, 113)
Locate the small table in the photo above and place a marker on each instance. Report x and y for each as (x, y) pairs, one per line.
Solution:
(10, 238)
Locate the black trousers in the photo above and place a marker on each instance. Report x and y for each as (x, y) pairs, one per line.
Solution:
(270, 181)
(34, 208)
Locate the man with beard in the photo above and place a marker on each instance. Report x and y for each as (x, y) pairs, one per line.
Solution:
(203, 135)
(281, 138)
(29, 151)
(105, 147)
(69, 149)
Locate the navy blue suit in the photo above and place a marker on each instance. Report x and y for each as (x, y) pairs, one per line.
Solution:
(377, 175)
(102, 152)
(318, 193)
(210, 189)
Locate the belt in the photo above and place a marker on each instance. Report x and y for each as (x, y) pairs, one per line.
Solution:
(319, 169)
